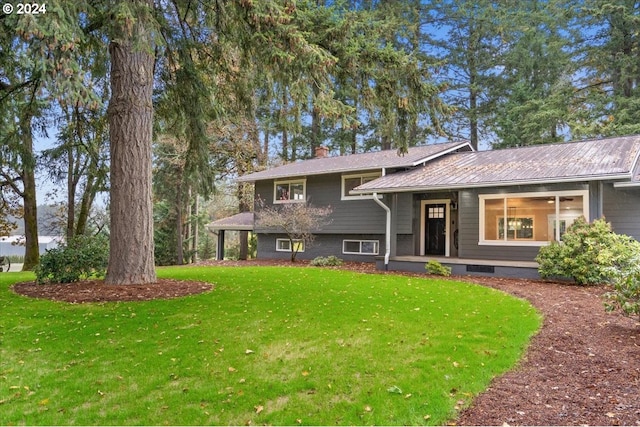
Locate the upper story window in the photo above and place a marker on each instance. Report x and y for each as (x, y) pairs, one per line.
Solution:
(349, 182)
(294, 191)
(529, 219)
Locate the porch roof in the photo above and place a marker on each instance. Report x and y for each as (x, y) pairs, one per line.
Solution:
(603, 159)
(242, 222)
(358, 162)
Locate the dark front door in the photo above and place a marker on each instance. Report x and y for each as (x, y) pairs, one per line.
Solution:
(435, 229)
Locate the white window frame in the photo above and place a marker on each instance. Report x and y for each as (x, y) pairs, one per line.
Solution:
(289, 182)
(344, 251)
(558, 214)
(295, 242)
(345, 194)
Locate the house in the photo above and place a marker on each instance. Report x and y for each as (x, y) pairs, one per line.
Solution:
(480, 212)
(14, 245)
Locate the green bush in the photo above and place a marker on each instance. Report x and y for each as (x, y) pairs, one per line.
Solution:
(80, 258)
(330, 261)
(625, 295)
(434, 267)
(589, 253)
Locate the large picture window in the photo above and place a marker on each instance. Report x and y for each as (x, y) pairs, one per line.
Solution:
(349, 182)
(529, 218)
(289, 191)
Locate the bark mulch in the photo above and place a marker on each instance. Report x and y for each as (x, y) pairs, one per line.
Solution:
(582, 368)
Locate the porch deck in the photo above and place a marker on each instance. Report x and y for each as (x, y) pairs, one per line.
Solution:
(465, 266)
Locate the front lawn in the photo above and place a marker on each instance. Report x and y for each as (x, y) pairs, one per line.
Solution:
(269, 345)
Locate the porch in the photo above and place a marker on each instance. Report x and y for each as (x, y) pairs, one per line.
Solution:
(464, 266)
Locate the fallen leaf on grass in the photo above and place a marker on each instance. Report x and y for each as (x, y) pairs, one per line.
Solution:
(232, 369)
(259, 408)
(394, 389)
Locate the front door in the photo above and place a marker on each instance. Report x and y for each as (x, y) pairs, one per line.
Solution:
(435, 229)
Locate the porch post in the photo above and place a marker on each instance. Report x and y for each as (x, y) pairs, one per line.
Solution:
(220, 251)
(595, 201)
(394, 225)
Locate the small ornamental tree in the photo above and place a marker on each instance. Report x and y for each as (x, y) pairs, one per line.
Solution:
(297, 220)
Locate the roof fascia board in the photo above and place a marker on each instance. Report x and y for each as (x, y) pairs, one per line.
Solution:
(300, 175)
(626, 184)
(487, 185)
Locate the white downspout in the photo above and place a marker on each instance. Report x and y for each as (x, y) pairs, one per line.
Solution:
(387, 242)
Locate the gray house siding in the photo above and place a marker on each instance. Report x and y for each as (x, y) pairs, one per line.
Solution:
(404, 213)
(348, 216)
(323, 245)
(621, 207)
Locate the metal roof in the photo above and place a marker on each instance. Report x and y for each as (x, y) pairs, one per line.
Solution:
(358, 162)
(611, 158)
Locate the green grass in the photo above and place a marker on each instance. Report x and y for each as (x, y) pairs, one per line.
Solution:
(268, 345)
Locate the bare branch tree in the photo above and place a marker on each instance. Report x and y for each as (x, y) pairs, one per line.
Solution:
(297, 220)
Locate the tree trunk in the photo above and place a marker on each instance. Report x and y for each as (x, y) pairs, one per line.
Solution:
(131, 254)
(85, 206)
(32, 249)
(71, 195)
(195, 231)
(179, 225)
(473, 87)
(244, 235)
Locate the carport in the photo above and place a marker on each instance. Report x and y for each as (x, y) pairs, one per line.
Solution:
(242, 222)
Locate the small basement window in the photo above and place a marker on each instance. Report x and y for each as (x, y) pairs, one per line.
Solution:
(361, 247)
(284, 245)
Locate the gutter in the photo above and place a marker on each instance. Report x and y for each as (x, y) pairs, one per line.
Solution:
(387, 239)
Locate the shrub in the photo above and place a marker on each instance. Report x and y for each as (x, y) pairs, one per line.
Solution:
(434, 267)
(80, 258)
(330, 261)
(588, 253)
(625, 295)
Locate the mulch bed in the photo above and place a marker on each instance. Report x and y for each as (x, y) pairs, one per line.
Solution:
(583, 367)
(98, 291)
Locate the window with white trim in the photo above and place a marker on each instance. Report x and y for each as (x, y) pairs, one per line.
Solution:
(529, 219)
(361, 247)
(284, 245)
(294, 191)
(349, 182)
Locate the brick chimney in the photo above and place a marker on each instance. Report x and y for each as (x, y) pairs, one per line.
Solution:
(322, 152)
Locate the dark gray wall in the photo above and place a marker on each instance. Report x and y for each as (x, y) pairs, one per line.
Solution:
(323, 245)
(348, 216)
